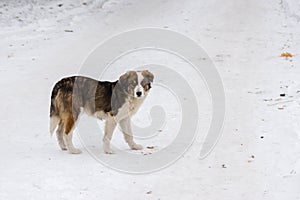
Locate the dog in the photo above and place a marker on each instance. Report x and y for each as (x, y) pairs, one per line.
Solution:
(115, 102)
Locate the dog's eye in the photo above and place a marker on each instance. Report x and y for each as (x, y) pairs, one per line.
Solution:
(148, 86)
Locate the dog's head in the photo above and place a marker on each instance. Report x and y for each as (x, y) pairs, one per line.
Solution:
(136, 83)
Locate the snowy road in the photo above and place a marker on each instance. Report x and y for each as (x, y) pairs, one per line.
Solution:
(258, 155)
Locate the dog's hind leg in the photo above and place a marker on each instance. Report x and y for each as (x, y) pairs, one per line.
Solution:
(59, 135)
(69, 125)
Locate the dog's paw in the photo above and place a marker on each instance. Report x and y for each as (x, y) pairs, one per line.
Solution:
(74, 151)
(63, 147)
(108, 151)
(136, 147)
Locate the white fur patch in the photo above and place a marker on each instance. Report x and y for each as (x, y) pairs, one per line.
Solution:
(100, 115)
(129, 108)
(139, 87)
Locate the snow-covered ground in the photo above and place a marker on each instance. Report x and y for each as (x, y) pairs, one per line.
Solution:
(258, 155)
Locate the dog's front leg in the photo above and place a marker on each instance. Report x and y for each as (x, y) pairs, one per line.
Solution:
(125, 125)
(110, 125)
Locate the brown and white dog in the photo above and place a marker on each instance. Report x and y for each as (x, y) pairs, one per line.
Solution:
(114, 102)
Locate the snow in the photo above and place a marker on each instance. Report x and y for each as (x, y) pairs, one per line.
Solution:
(43, 42)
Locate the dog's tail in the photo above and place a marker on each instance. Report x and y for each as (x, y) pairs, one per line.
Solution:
(54, 120)
(63, 86)
(54, 117)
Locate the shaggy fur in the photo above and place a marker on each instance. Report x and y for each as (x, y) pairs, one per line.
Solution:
(114, 102)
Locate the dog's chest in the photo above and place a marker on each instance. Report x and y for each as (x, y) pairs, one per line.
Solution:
(129, 108)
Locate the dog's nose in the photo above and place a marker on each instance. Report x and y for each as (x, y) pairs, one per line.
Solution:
(138, 94)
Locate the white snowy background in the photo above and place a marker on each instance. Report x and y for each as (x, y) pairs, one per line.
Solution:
(258, 155)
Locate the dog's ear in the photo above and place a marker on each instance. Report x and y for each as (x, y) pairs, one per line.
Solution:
(148, 75)
(124, 80)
